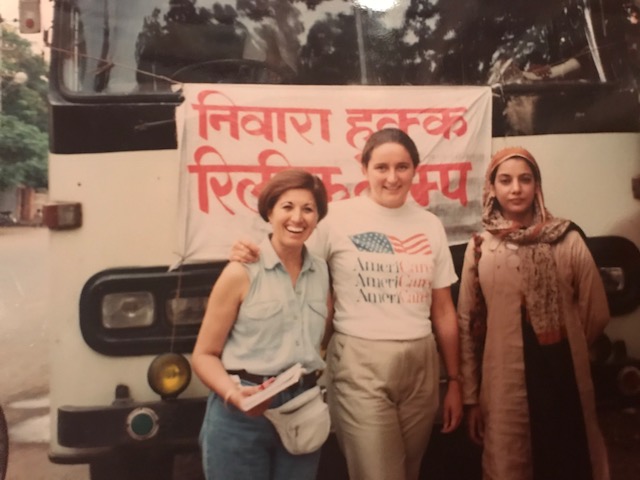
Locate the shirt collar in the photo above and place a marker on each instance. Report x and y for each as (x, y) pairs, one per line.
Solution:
(271, 260)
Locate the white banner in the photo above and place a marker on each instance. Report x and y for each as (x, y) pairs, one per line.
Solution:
(235, 137)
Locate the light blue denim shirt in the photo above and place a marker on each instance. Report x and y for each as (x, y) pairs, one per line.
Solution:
(277, 324)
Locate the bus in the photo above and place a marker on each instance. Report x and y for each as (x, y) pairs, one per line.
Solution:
(563, 80)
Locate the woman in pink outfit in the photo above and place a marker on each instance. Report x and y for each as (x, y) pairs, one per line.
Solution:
(531, 301)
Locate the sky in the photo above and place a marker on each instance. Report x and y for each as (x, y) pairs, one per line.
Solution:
(9, 12)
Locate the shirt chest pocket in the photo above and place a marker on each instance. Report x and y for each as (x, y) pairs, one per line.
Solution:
(257, 318)
(317, 314)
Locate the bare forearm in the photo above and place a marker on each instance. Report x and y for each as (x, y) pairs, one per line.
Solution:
(445, 322)
(449, 342)
(211, 372)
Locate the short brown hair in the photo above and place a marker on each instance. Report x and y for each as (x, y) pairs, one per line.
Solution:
(291, 180)
(389, 135)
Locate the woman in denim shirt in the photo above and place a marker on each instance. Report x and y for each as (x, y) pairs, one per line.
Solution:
(261, 319)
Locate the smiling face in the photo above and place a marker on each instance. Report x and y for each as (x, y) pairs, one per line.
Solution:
(514, 187)
(389, 172)
(293, 218)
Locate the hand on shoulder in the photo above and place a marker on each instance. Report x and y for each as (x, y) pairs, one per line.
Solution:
(244, 251)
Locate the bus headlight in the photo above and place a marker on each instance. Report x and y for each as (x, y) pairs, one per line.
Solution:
(127, 310)
(186, 311)
(169, 375)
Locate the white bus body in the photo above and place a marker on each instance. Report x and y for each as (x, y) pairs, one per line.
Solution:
(114, 158)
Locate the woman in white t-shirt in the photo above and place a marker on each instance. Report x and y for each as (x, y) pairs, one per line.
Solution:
(391, 272)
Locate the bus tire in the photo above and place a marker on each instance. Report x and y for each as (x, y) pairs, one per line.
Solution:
(4, 445)
(133, 466)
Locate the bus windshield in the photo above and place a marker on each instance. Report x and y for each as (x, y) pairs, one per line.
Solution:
(111, 47)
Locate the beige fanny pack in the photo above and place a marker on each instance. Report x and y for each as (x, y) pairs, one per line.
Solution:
(303, 423)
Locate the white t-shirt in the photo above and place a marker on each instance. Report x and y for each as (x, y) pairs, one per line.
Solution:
(384, 262)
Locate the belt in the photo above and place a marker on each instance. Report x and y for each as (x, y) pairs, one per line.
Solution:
(306, 381)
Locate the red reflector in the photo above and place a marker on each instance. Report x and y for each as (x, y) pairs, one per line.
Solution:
(629, 380)
(61, 216)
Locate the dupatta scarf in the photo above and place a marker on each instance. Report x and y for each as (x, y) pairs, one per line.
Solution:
(541, 295)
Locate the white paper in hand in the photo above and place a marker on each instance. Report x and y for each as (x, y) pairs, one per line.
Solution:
(282, 381)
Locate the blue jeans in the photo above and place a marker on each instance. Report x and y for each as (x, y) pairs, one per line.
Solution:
(238, 447)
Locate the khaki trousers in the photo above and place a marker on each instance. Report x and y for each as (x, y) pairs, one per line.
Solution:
(383, 397)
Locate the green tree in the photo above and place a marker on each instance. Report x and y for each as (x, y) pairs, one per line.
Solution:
(23, 114)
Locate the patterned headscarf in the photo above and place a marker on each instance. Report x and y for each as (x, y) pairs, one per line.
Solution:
(541, 295)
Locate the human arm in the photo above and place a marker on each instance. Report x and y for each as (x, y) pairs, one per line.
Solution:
(550, 72)
(328, 329)
(470, 367)
(589, 290)
(475, 423)
(222, 309)
(244, 251)
(443, 317)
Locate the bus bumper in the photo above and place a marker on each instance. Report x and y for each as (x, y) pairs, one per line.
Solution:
(167, 425)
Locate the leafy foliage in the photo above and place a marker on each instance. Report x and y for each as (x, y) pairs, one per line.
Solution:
(418, 42)
(24, 115)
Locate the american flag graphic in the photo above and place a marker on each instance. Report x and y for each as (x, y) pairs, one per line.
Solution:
(375, 242)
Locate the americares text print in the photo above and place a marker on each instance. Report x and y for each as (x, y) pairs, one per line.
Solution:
(399, 271)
